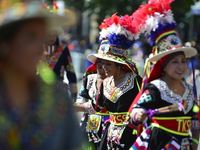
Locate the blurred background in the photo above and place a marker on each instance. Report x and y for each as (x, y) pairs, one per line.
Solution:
(82, 37)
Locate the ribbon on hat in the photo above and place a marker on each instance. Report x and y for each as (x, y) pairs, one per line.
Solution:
(157, 70)
(147, 70)
(129, 65)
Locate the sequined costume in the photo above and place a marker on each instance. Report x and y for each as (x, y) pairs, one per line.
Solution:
(92, 122)
(167, 130)
(117, 101)
(60, 60)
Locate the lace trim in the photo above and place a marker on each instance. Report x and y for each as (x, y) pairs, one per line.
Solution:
(113, 94)
(168, 95)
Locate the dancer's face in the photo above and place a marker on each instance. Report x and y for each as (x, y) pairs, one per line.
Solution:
(176, 67)
(100, 70)
(51, 37)
(110, 68)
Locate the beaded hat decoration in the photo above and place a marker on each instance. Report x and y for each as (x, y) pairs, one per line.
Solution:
(159, 26)
(22, 11)
(117, 35)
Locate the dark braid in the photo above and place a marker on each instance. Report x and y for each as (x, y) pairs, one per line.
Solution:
(173, 55)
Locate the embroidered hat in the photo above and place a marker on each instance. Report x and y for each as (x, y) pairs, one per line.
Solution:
(117, 36)
(109, 52)
(33, 9)
(159, 26)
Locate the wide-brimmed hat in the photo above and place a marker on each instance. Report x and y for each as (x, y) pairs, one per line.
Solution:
(159, 26)
(157, 23)
(117, 36)
(109, 52)
(25, 11)
(168, 42)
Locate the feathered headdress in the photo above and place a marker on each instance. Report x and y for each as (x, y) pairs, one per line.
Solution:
(155, 19)
(118, 34)
(119, 30)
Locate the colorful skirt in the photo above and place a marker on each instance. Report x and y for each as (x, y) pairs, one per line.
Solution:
(157, 139)
(117, 137)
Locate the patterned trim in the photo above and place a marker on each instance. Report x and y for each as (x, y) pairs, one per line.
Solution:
(73, 88)
(114, 94)
(52, 60)
(168, 95)
(107, 48)
(70, 66)
(62, 70)
(89, 108)
(91, 87)
(167, 41)
(146, 97)
(142, 142)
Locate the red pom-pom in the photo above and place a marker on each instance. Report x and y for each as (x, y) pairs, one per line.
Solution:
(114, 19)
(160, 6)
(140, 16)
(125, 21)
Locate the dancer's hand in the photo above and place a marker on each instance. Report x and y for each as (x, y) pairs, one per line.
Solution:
(139, 116)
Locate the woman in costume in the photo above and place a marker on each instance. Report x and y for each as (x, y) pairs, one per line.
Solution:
(58, 58)
(122, 84)
(93, 119)
(167, 103)
(34, 115)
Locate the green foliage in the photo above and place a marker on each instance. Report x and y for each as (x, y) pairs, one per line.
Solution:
(105, 8)
(180, 9)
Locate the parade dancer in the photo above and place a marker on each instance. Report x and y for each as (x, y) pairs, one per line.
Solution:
(58, 58)
(123, 82)
(167, 103)
(92, 121)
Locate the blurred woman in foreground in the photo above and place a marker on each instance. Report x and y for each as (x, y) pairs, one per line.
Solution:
(33, 115)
